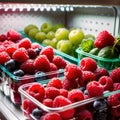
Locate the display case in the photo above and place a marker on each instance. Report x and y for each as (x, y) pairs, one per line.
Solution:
(90, 16)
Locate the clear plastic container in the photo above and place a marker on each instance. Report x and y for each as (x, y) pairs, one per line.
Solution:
(10, 83)
(84, 103)
(107, 63)
(63, 55)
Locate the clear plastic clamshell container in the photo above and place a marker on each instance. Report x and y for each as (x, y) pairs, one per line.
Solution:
(81, 105)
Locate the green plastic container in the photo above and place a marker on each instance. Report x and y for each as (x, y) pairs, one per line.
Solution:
(106, 63)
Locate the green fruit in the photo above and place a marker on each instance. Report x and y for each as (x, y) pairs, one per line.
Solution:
(87, 45)
(32, 32)
(53, 43)
(40, 36)
(46, 27)
(64, 46)
(50, 35)
(46, 42)
(57, 26)
(76, 36)
(106, 52)
(61, 34)
(89, 36)
(94, 51)
(29, 27)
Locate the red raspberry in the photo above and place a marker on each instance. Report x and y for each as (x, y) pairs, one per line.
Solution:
(87, 76)
(75, 95)
(68, 84)
(8, 43)
(11, 49)
(13, 35)
(107, 83)
(4, 57)
(25, 42)
(3, 37)
(72, 72)
(64, 92)
(31, 53)
(51, 92)
(52, 116)
(61, 101)
(104, 39)
(115, 75)
(53, 71)
(59, 62)
(99, 72)
(48, 51)
(28, 67)
(115, 112)
(37, 91)
(55, 82)
(116, 86)
(88, 64)
(85, 115)
(35, 45)
(48, 102)
(114, 100)
(41, 63)
(28, 106)
(20, 55)
(94, 89)
(2, 48)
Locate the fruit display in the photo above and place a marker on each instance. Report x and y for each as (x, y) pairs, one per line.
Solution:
(63, 39)
(23, 61)
(104, 49)
(86, 92)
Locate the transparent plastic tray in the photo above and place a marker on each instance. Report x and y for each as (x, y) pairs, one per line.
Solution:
(63, 55)
(107, 63)
(25, 95)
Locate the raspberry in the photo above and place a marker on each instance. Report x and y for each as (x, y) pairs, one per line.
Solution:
(114, 100)
(25, 42)
(4, 57)
(87, 76)
(41, 63)
(2, 48)
(7, 43)
(59, 62)
(85, 115)
(55, 82)
(35, 45)
(99, 72)
(28, 67)
(13, 35)
(64, 92)
(51, 92)
(107, 83)
(88, 64)
(31, 53)
(116, 112)
(28, 106)
(75, 95)
(48, 51)
(104, 39)
(37, 91)
(72, 72)
(68, 84)
(48, 102)
(94, 88)
(115, 75)
(52, 116)
(3, 37)
(60, 101)
(116, 86)
(20, 55)
(11, 49)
